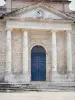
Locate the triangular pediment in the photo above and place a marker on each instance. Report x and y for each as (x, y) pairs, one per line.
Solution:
(39, 11)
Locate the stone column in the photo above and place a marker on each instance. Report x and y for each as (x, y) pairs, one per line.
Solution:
(54, 52)
(25, 56)
(54, 57)
(69, 52)
(69, 57)
(8, 70)
(8, 51)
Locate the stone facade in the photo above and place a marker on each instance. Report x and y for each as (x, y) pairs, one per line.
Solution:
(62, 52)
(43, 39)
(73, 44)
(21, 33)
(2, 50)
(17, 63)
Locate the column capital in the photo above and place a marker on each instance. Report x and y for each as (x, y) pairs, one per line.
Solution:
(24, 30)
(54, 31)
(9, 29)
(68, 31)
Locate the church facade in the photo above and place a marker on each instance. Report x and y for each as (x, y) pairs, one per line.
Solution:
(37, 45)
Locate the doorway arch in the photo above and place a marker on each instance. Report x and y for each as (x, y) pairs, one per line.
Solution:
(38, 63)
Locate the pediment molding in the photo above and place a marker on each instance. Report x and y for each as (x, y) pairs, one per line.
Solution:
(39, 20)
(38, 6)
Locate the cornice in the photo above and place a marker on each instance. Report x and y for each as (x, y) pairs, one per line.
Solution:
(38, 20)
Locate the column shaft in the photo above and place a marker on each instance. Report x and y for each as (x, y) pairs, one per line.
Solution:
(54, 52)
(8, 52)
(69, 52)
(25, 52)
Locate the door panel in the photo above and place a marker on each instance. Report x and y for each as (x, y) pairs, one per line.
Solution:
(38, 67)
(34, 67)
(42, 67)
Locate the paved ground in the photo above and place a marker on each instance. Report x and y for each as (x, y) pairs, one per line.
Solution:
(38, 96)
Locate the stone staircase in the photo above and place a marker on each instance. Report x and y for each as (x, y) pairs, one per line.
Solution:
(39, 87)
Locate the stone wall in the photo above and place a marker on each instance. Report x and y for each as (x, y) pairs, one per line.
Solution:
(44, 39)
(2, 49)
(36, 37)
(17, 51)
(61, 52)
(73, 47)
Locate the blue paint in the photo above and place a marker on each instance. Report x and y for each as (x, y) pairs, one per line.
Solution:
(38, 66)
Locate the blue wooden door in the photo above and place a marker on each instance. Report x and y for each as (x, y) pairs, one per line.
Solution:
(38, 67)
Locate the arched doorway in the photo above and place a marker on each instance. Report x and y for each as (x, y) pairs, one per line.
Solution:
(38, 63)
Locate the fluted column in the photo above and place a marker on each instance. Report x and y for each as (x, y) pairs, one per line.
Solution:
(8, 51)
(25, 55)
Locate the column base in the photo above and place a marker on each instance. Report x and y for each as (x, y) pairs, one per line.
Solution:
(26, 78)
(2, 77)
(17, 78)
(70, 77)
(56, 77)
(9, 78)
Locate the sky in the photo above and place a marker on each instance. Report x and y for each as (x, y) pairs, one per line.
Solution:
(72, 4)
(2, 2)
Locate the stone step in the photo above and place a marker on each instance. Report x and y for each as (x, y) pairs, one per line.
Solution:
(36, 87)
